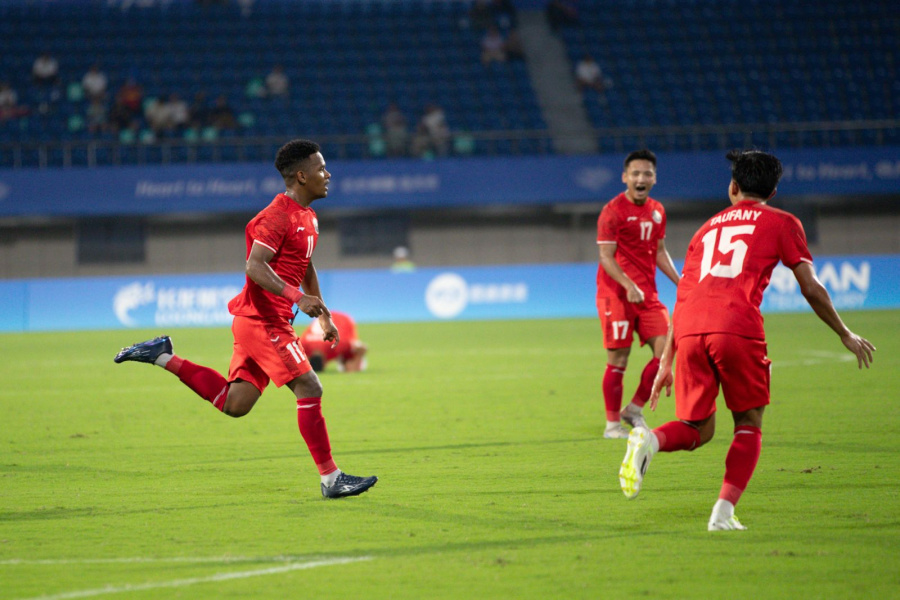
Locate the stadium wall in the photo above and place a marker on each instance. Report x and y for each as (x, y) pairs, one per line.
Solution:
(379, 295)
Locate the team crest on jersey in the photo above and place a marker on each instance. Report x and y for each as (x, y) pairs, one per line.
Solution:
(316, 224)
(657, 218)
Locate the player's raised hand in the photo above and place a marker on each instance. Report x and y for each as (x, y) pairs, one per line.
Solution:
(330, 331)
(859, 346)
(311, 305)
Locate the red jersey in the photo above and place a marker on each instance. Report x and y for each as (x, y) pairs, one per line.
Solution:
(636, 231)
(291, 232)
(312, 337)
(728, 266)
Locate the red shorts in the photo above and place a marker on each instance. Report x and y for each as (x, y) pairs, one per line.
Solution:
(703, 362)
(620, 319)
(264, 351)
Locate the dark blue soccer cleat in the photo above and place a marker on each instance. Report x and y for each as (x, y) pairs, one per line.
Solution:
(348, 485)
(146, 352)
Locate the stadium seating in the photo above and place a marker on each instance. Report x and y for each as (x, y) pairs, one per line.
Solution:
(674, 63)
(696, 62)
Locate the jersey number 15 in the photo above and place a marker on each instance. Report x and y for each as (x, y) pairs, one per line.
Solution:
(723, 241)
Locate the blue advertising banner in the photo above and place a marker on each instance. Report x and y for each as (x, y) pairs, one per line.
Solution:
(411, 184)
(371, 296)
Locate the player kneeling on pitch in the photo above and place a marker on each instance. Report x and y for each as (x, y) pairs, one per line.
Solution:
(729, 263)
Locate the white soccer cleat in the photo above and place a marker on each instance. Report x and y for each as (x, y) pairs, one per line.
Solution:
(615, 431)
(637, 459)
(722, 517)
(722, 524)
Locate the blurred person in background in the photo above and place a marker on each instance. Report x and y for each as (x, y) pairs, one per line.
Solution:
(350, 352)
(94, 83)
(631, 234)
(402, 261)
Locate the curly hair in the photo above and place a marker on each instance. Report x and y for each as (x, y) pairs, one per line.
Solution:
(291, 156)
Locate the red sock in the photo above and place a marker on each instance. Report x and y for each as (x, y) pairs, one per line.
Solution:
(612, 391)
(205, 382)
(312, 428)
(677, 435)
(741, 462)
(647, 376)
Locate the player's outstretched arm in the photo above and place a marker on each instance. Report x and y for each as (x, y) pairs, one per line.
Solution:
(664, 377)
(818, 298)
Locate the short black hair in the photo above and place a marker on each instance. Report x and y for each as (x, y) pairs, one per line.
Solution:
(291, 156)
(757, 173)
(640, 155)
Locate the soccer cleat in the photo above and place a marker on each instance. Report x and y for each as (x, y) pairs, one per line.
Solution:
(615, 431)
(634, 419)
(717, 523)
(348, 485)
(146, 352)
(637, 459)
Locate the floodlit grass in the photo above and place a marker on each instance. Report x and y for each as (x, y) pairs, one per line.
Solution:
(116, 481)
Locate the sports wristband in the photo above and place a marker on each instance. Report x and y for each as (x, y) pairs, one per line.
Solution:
(291, 293)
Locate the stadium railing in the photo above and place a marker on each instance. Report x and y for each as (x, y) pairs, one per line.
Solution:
(689, 138)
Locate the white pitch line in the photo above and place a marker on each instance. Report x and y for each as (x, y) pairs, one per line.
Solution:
(117, 589)
(145, 559)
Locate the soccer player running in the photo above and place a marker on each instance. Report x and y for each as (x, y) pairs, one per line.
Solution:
(631, 233)
(280, 243)
(717, 331)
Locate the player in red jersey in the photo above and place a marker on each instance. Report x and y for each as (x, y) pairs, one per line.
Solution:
(280, 242)
(350, 352)
(717, 331)
(631, 234)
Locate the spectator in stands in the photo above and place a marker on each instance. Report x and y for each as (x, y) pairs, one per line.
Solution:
(94, 83)
(277, 83)
(9, 103)
(396, 131)
(158, 115)
(97, 116)
(589, 75)
(493, 46)
(515, 50)
(179, 111)
(199, 111)
(45, 70)
(481, 15)
(435, 122)
(131, 97)
(562, 13)
(504, 13)
(420, 146)
(221, 116)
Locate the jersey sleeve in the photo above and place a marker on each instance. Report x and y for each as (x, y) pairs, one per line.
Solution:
(608, 226)
(793, 246)
(269, 230)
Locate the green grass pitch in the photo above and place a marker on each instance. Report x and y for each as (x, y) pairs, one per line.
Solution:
(116, 481)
